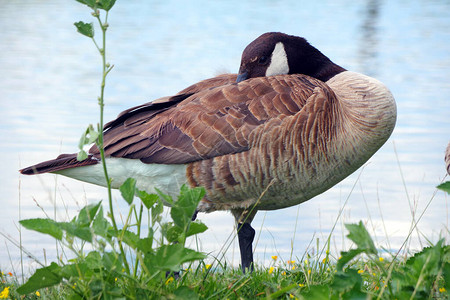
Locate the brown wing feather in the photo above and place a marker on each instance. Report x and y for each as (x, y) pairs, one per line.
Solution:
(205, 120)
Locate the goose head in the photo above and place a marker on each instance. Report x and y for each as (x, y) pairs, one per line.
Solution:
(276, 53)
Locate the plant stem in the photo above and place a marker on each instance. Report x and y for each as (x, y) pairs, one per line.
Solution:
(105, 71)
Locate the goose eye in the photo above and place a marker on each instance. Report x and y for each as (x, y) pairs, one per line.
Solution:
(263, 60)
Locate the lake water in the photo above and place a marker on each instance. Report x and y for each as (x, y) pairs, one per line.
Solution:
(49, 79)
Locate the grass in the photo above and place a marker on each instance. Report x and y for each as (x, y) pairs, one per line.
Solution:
(109, 261)
(358, 273)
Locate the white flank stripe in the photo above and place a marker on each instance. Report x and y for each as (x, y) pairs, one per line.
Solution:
(278, 62)
(167, 178)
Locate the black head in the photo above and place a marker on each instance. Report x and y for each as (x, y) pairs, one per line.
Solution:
(276, 53)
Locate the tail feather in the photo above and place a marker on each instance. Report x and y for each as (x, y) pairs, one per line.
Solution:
(62, 162)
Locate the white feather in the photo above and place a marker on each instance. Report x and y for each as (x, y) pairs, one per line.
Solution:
(167, 178)
(278, 61)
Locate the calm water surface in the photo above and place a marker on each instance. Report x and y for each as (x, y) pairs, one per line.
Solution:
(49, 78)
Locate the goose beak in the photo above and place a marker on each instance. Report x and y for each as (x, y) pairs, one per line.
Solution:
(242, 76)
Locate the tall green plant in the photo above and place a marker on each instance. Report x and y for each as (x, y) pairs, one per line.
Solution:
(109, 261)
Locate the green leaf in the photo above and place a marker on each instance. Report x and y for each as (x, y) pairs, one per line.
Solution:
(92, 133)
(359, 235)
(94, 261)
(171, 232)
(76, 230)
(157, 211)
(129, 238)
(101, 225)
(183, 292)
(345, 281)
(71, 270)
(146, 244)
(43, 277)
(445, 187)
(107, 4)
(128, 189)
(87, 213)
(90, 3)
(196, 227)
(148, 199)
(347, 256)
(86, 29)
(170, 257)
(46, 226)
(317, 292)
(112, 262)
(82, 155)
(184, 208)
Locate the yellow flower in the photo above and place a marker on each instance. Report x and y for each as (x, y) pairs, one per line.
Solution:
(339, 257)
(325, 260)
(271, 270)
(38, 294)
(442, 290)
(291, 296)
(309, 271)
(274, 257)
(293, 267)
(381, 259)
(207, 266)
(360, 271)
(283, 273)
(169, 280)
(301, 285)
(290, 262)
(115, 279)
(306, 261)
(5, 293)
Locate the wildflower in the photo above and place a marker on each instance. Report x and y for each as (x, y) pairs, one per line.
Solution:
(283, 273)
(381, 259)
(374, 274)
(274, 257)
(309, 271)
(208, 266)
(293, 267)
(301, 285)
(169, 280)
(360, 271)
(339, 257)
(38, 294)
(306, 261)
(291, 296)
(10, 274)
(325, 260)
(5, 293)
(442, 290)
(115, 279)
(291, 262)
(271, 270)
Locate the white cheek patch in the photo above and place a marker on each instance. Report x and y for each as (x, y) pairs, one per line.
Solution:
(278, 61)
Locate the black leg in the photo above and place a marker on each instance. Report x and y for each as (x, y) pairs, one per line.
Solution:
(194, 216)
(246, 234)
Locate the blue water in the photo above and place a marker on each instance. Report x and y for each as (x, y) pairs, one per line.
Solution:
(50, 78)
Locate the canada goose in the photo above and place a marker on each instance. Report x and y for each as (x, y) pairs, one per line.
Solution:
(289, 126)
